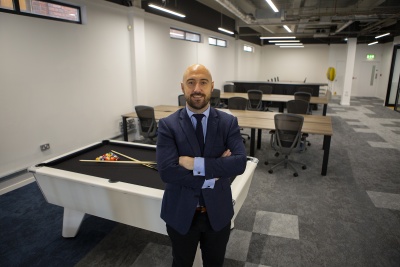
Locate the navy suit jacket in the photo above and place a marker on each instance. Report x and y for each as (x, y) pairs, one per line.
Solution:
(176, 137)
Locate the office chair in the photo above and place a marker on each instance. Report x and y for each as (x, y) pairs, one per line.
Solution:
(266, 89)
(288, 139)
(299, 106)
(306, 90)
(181, 100)
(255, 100)
(239, 103)
(229, 87)
(304, 96)
(215, 100)
(148, 123)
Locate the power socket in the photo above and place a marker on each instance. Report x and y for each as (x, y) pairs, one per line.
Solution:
(44, 147)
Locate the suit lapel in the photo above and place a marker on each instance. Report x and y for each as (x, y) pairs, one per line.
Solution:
(188, 130)
(212, 129)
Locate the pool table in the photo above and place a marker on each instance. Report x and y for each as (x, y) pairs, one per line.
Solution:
(125, 193)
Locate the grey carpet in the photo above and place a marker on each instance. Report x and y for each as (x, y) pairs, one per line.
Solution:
(351, 217)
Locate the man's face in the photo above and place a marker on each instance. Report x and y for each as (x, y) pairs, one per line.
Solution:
(197, 86)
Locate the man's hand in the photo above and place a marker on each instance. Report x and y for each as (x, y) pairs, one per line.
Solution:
(186, 162)
(226, 153)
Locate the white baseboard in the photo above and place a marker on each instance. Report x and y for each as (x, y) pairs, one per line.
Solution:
(11, 185)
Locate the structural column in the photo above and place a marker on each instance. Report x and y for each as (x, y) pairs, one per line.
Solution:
(138, 55)
(348, 75)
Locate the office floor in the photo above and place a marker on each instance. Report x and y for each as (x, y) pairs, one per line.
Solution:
(351, 217)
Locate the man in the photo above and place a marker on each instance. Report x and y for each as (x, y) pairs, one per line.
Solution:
(197, 167)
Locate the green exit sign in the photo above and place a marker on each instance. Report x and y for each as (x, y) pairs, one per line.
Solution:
(370, 56)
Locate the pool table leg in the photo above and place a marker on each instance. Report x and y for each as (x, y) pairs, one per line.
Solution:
(71, 222)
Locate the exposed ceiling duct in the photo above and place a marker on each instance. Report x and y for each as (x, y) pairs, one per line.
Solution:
(314, 21)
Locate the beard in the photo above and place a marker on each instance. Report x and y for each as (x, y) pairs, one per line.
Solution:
(198, 103)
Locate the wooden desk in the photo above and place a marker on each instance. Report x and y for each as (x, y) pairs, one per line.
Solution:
(313, 124)
(282, 99)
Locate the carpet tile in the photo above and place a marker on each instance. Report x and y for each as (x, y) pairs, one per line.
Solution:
(350, 217)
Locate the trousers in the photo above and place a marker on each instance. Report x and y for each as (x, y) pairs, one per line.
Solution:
(212, 243)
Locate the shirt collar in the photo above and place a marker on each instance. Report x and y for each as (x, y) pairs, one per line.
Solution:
(206, 112)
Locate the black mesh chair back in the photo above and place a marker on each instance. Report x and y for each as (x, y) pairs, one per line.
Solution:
(237, 102)
(288, 131)
(305, 89)
(229, 87)
(297, 106)
(148, 123)
(303, 96)
(287, 139)
(266, 89)
(181, 100)
(254, 100)
(215, 98)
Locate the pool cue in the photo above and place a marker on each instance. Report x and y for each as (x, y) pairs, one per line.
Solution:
(119, 161)
(147, 165)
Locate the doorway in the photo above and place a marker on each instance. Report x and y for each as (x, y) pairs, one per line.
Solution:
(392, 95)
(368, 84)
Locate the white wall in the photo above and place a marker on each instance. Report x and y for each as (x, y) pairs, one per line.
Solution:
(68, 84)
(61, 83)
(296, 64)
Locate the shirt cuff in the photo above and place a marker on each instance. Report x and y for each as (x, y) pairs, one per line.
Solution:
(208, 184)
(198, 168)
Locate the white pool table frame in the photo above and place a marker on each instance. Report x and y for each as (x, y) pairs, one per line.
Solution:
(120, 202)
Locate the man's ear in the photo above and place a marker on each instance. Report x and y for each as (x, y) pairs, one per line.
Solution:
(182, 88)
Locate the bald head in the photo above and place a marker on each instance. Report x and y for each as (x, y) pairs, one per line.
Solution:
(197, 68)
(197, 85)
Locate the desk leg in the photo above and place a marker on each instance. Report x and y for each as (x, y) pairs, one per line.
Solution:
(71, 222)
(252, 141)
(324, 110)
(281, 107)
(259, 133)
(326, 147)
(125, 128)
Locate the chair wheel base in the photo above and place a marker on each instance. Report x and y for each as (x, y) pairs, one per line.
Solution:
(295, 174)
(304, 167)
(270, 171)
(266, 163)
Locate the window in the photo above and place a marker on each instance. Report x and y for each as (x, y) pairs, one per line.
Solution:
(248, 48)
(43, 9)
(217, 42)
(184, 35)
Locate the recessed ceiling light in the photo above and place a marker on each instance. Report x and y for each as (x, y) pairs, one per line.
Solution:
(284, 41)
(283, 37)
(225, 30)
(167, 10)
(272, 5)
(287, 28)
(379, 36)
